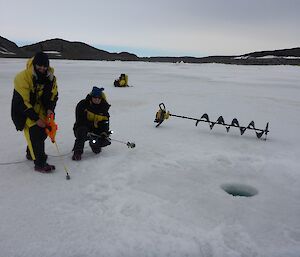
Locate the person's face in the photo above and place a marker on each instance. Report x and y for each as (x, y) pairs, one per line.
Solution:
(41, 69)
(96, 100)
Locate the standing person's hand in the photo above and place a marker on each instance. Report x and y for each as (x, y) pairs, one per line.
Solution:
(41, 123)
(49, 112)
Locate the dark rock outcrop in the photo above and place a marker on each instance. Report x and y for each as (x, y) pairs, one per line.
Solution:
(10, 49)
(62, 49)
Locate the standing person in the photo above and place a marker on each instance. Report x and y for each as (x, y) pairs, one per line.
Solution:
(91, 116)
(34, 97)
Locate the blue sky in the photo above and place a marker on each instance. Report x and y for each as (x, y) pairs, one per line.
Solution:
(152, 28)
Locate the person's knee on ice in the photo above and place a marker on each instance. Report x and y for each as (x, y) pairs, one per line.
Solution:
(95, 145)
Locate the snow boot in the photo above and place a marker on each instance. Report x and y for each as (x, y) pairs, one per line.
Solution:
(47, 168)
(76, 156)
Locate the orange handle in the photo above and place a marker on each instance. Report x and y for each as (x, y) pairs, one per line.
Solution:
(51, 127)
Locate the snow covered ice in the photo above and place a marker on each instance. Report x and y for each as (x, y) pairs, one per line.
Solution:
(165, 197)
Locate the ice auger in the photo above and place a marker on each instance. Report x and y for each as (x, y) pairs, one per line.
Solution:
(51, 128)
(162, 115)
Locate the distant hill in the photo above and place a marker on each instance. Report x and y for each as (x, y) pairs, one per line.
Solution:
(63, 49)
(9, 49)
(292, 52)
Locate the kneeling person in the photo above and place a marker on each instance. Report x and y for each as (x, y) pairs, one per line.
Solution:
(92, 118)
(122, 81)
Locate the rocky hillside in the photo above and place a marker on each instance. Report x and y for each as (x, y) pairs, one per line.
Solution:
(63, 49)
(9, 49)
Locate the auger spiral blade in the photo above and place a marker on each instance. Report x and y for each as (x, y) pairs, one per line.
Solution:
(162, 115)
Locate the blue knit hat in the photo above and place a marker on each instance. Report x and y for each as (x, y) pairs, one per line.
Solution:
(97, 92)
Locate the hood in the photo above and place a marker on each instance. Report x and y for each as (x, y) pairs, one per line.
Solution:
(29, 66)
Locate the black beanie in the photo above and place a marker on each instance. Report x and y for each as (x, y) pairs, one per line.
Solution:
(41, 59)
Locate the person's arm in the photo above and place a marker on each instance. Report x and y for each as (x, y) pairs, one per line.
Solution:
(81, 113)
(22, 91)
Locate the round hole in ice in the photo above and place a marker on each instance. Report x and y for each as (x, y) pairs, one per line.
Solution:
(236, 189)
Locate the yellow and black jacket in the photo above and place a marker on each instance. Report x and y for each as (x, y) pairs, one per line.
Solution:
(122, 81)
(32, 97)
(91, 115)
